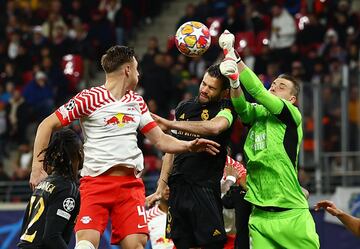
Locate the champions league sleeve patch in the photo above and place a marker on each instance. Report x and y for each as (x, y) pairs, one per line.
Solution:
(69, 204)
(70, 105)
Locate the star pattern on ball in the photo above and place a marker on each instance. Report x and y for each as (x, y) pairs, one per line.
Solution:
(193, 39)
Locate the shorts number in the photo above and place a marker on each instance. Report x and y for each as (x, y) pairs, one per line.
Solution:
(36, 206)
(141, 212)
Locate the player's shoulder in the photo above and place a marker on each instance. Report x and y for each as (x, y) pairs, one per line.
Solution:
(294, 111)
(186, 103)
(132, 96)
(98, 92)
(94, 89)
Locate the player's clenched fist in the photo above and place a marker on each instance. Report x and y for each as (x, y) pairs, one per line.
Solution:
(228, 68)
(226, 42)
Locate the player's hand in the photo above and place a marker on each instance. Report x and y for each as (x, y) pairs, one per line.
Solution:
(231, 171)
(228, 68)
(204, 145)
(36, 176)
(226, 42)
(163, 123)
(152, 199)
(329, 206)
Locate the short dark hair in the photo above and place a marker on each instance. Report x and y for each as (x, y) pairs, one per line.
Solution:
(63, 150)
(295, 82)
(214, 71)
(115, 57)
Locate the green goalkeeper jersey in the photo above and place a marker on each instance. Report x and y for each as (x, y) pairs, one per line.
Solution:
(272, 146)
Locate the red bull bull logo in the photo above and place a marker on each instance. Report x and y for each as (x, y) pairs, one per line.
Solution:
(160, 240)
(119, 119)
(163, 240)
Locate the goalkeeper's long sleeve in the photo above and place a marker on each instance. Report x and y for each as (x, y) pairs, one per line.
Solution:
(256, 89)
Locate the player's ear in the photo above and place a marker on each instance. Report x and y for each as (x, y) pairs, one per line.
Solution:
(127, 70)
(292, 99)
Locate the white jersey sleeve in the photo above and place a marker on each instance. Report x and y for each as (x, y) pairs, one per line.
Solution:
(83, 104)
(146, 121)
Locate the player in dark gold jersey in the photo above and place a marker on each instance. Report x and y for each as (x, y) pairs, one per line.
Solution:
(50, 214)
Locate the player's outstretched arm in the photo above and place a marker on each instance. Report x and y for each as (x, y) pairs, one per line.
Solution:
(169, 144)
(43, 134)
(247, 77)
(230, 68)
(211, 127)
(166, 168)
(352, 223)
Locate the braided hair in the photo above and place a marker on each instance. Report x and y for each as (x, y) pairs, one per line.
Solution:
(63, 151)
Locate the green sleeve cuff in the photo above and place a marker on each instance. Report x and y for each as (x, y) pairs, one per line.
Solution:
(226, 113)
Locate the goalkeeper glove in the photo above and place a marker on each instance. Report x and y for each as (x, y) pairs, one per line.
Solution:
(228, 68)
(226, 42)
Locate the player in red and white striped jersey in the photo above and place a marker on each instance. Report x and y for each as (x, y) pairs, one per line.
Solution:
(234, 172)
(156, 217)
(110, 116)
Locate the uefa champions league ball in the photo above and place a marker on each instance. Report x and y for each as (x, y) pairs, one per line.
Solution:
(192, 39)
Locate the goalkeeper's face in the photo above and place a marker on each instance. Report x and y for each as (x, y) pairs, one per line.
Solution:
(210, 89)
(283, 88)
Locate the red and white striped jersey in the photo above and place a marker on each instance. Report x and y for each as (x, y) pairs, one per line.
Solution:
(109, 127)
(237, 165)
(157, 224)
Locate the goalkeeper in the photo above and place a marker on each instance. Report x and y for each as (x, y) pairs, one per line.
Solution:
(281, 217)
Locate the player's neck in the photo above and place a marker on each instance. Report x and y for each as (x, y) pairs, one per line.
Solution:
(116, 86)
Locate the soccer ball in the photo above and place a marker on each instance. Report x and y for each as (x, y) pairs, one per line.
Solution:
(192, 39)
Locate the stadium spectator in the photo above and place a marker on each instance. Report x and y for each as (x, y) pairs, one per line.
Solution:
(17, 117)
(190, 15)
(22, 167)
(39, 96)
(3, 130)
(110, 116)
(283, 33)
(354, 118)
(157, 84)
(147, 60)
(3, 175)
(232, 20)
(272, 183)
(55, 202)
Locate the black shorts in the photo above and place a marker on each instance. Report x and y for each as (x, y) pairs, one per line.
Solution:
(195, 215)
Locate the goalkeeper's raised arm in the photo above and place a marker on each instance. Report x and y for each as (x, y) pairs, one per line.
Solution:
(283, 88)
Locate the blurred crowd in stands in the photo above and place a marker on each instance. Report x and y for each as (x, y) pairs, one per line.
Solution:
(49, 50)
